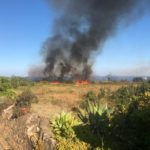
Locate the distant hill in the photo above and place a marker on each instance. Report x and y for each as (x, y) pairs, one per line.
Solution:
(118, 78)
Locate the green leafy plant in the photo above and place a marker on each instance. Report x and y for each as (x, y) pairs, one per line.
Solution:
(90, 96)
(125, 95)
(95, 115)
(19, 81)
(4, 84)
(103, 93)
(63, 125)
(130, 130)
(70, 144)
(106, 128)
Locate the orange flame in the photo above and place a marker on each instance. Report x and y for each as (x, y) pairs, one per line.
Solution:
(81, 82)
(55, 83)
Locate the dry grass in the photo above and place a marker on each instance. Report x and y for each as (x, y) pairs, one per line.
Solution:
(62, 97)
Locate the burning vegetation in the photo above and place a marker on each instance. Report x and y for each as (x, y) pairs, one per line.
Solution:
(82, 82)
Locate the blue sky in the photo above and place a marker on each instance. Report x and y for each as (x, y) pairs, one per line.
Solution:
(25, 25)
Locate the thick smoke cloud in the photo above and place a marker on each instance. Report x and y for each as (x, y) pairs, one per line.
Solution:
(81, 28)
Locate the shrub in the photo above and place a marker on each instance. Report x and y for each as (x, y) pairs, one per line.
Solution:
(131, 130)
(18, 81)
(7, 84)
(84, 133)
(25, 98)
(63, 125)
(104, 93)
(6, 92)
(4, 87)
(97, 116)
(90, 96)
(109, 129)
(70, 144)
(9, 94)
(23, 103)
(4, 80)
(15, 82)
(125, 95)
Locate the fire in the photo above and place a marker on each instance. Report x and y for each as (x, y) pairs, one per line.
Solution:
(81, 82)
(55, 82)
(77, 82)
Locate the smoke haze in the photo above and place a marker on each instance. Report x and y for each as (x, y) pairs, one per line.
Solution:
(80, 30)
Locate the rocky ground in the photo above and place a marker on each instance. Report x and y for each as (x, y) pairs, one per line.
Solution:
(28, 132)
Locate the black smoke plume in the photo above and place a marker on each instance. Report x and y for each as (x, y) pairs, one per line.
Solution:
(81, 28)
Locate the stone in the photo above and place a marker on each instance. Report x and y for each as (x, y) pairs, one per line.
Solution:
(8, 112)
(27, 132)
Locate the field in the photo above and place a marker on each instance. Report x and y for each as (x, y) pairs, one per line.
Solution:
(53, 99)
(93, 116)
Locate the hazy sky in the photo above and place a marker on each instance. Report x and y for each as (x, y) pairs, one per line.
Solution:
(25, 25)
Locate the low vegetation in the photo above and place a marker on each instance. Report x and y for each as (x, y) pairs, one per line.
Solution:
(23, 103)
(125, 125)
(112, 117)
(63, 125)
(8, 87)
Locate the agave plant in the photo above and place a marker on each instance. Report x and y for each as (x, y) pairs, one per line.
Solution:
(62, 125)
(96, 116)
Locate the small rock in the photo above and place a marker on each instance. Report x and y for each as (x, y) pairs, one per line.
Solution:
(8, 112)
